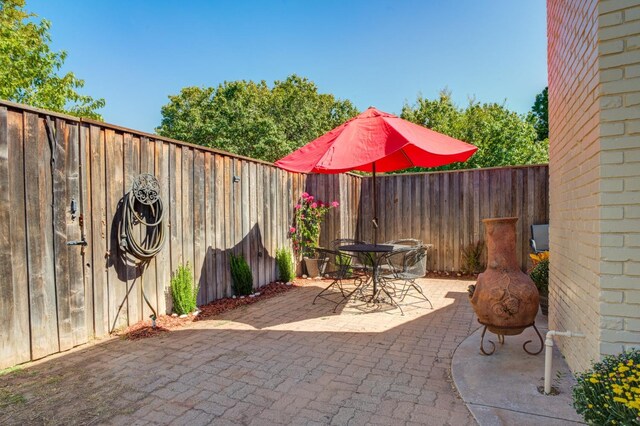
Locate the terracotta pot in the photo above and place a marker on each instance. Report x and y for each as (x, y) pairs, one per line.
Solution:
(505, 299)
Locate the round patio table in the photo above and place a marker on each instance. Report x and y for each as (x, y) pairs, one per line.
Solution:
(372, 251)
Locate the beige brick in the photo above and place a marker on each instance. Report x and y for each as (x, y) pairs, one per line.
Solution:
(616, 336)
(619, 59)
(611, 129)
(631, 268)
(609, 19)
(631, 99)
(612, 323)
(632, 43)
(632, 71)
(612, 157)
(632, 212)
(611, 74)
(633, 127)
(612, 213)
(607, 102)
(633, 156)
(606, 6)
(632, 14)
(611, 46)
(611, 297)
(611, 185)
(623, 30)
(631, 296)
(621, 86)
(632, 240)
(609, 240)
(611, 348)
(632, 324)
(619, 142)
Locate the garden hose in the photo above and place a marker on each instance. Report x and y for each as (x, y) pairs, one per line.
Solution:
(142, 205)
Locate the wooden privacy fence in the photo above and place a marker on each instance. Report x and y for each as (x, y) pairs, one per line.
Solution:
(54, 296)
(446, 208)
(62, 180)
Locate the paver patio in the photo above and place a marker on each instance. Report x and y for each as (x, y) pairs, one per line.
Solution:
(279, 361)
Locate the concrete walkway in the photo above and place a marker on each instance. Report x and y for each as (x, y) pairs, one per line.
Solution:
(279, 361)
(502, 389)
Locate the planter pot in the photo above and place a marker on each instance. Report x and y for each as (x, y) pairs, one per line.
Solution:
(315, 267)
(544, 305)
(505, 299)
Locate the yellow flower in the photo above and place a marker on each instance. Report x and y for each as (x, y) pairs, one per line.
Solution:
(618, 399)
(592, 380)
(623, 368)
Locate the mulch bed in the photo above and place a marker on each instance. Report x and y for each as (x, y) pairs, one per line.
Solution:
(166, 323)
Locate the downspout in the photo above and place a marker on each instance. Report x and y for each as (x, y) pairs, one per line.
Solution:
(548, 355)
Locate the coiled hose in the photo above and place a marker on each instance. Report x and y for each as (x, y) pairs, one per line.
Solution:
(144, 194)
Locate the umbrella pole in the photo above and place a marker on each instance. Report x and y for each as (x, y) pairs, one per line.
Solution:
(375, 207)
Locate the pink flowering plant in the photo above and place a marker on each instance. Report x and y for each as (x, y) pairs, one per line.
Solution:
(309, 213)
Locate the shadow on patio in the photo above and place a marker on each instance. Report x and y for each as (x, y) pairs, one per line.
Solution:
(282, 360)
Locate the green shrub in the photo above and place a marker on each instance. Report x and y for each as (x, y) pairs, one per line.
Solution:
(609, 393)
(472, 258)
(286, 268)
(540, 276)
(183, 291)
(241, 276)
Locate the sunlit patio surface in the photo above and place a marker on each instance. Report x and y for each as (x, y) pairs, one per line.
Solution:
(281, 360)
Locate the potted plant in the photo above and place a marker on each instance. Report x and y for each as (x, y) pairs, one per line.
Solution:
(305, 233)
(540, 276)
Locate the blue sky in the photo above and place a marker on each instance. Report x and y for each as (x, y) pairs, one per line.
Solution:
(375, 53)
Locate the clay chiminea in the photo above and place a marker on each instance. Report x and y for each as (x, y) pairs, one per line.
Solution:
(504, 298)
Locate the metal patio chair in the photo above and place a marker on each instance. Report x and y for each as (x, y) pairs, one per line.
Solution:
(346, 279)
(539, 238)
(403, 267)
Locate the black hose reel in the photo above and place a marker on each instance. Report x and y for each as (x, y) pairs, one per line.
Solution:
(142, 205)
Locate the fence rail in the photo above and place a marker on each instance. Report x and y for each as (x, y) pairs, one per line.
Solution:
(54, 296)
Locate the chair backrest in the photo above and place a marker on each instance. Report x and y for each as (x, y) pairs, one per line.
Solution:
(415, 262)
(540, 237)
(406, 242)
(394, 261)
(335, 264)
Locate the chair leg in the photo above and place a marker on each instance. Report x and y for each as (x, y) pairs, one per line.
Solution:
(412, 283)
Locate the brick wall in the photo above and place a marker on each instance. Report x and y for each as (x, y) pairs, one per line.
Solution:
(594, 168)
(574, 158)
(619, 65)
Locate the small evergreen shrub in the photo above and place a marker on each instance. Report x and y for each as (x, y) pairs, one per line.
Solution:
(472, 258)
(609, 392)
(183, 291)
(286, 268)
(241, 276)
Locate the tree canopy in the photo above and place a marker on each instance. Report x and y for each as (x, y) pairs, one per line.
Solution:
(540, 112)
(503, 137)
(29, 71)
(253, 119)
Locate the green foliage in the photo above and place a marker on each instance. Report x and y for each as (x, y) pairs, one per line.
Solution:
(609, 392)
(472, 258)
(252, 119)
(286, 268)
(241, 276)
(29, 71)
(309, 213)
(540, 114)
(503, 137)
(540, 276)
(183, 290)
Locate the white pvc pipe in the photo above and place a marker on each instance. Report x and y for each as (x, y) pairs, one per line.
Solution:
(548, 355)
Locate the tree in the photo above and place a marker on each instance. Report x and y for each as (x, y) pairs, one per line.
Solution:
(251, 119)
(29, 71)
(540, 112)
(503, 137)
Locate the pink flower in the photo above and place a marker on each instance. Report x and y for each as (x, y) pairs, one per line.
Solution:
(301, 216)
(334, 204)
(292, 229)
(305, 195)
(297, 207)
(314, 205)
(310, 197)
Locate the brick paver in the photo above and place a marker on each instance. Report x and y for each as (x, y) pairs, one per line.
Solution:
(280, 361)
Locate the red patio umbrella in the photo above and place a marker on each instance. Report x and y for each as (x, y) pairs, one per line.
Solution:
(376, 141)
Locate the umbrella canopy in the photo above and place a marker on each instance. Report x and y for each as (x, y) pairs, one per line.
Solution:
(376, 141)
(376, 138)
